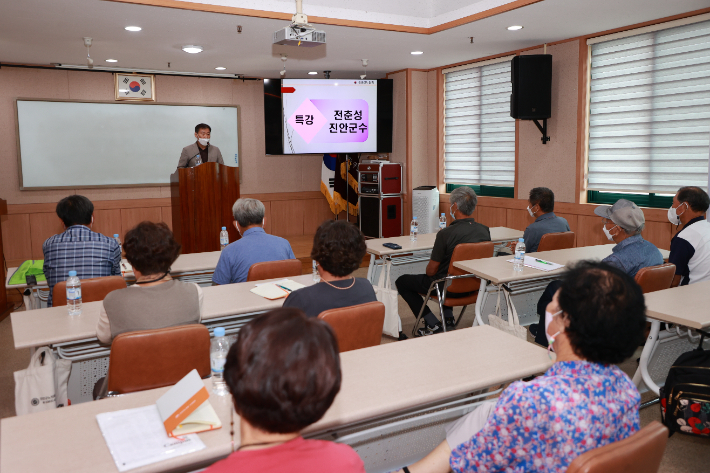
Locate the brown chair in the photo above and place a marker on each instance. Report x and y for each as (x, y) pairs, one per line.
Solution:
(274, 269)
(150, 359)
(556, 241)
(359, 326)
(655, 278)
(95, 289)
(458, 281)
(639, 453)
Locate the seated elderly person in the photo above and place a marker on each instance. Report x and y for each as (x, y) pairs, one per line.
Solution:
(338, 249)
(161, 302)
(255, 245)
(266, 372)
(584, 401)
(622, 223)
(541, 206)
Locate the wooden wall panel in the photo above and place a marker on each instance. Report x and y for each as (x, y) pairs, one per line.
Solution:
(108, 222)
(571, 221)
(659, 234)
(315, 212)
(132, 217)
(166, 215)
(589, 231)
(16, 238)
(267, 217)
(287, 218)
(43, 226)
(492, 216)
(518, 219)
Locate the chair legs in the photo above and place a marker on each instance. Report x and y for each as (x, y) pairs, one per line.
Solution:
(456, 322)
(424, 305)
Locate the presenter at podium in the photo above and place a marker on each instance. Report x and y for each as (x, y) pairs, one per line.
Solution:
(200, 151)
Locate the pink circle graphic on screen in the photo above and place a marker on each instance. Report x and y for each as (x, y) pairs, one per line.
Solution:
(134, 86)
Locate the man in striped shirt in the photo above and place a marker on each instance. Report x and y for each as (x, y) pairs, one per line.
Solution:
(90, 254)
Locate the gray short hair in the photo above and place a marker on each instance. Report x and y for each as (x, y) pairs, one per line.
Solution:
(248, 212)
(465, 199)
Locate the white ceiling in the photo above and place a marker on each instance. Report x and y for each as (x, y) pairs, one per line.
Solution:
(51, 31)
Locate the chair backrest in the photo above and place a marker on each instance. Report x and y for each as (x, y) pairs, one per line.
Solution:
(92, 290)
(150, 359)
(655, 278)
(556, 241)
(274, 269)
(358, 326)
(639, 453)
(463, 252)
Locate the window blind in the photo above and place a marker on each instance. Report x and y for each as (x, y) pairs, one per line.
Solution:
(479, 134)
(649, 111)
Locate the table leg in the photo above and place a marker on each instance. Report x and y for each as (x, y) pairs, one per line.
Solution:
(371, 269)
(480, 301)
(648, 348)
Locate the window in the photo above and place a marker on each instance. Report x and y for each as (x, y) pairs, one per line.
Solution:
(479, 134)
(649, 112)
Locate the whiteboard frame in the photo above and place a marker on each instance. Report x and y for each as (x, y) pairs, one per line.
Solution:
(113, 102)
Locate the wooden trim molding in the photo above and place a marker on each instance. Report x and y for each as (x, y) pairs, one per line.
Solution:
(580, 195)
(514, 5)
(408, 161)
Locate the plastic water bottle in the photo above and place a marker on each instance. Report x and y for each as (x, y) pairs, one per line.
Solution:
(442, 221)
(316, 275)
(413, 229)
(73, 294)
(218, 357)
(118, 240)
(519, 259)
(223, 239)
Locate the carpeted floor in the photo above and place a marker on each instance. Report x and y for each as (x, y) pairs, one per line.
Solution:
(683, 453)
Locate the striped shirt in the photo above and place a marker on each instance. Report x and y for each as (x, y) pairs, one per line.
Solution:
(90, 254)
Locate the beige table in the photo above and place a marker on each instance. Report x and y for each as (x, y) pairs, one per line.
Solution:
(403, 388)
(193, 267)
(684, 306)
(74, 337)
(498, 271)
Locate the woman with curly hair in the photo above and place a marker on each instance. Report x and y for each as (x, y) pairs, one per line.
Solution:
(338, 249)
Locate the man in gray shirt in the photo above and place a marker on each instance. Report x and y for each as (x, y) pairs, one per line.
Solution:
(541, 204)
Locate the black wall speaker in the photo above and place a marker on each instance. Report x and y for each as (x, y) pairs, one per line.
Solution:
(532, 87)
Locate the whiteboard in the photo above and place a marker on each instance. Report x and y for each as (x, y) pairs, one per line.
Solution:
(92, 144)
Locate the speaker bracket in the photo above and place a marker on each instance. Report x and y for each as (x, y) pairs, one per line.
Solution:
(543, 130)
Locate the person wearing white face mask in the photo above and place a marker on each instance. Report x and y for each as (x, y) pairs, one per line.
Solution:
(622, 223)
(541, 206)
(584, 401)
(201, 151)
(690, 247)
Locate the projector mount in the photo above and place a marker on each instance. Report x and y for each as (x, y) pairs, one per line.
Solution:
(299, 22)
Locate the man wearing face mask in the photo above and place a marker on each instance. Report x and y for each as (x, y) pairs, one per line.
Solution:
(541, 206)
(622, 223)
(690, 247)
(464, 229)
(201, 151)
(255, 245)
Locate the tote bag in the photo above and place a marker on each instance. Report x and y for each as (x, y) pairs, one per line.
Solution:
(512, 326)
(390, 298)
(43, 385)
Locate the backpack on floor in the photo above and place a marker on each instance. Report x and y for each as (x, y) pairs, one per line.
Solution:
(685, 398)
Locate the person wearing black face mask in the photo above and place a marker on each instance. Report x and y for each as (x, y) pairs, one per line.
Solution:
(201, 151)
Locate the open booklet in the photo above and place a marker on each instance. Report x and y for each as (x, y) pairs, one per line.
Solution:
(276, 289)
(149, 434)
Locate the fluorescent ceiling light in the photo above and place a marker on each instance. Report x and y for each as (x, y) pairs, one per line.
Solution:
(220, 68)
(417, 53)
(515, 28)
(266, 81)
(133, 28)
(192, 49)
(111, 60)
(312, 73)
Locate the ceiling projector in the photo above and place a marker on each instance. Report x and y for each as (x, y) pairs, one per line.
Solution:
(299, 35)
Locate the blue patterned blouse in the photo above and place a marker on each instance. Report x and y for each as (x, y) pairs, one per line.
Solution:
(544, 424)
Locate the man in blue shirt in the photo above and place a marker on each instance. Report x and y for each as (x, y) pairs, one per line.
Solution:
(255, 245)
(541, 204)
(90, 254)
(622, 223)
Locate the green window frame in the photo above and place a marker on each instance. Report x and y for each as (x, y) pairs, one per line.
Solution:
(642, 200)
(488, 191)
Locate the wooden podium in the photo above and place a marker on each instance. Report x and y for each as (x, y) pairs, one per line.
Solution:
(202, 198)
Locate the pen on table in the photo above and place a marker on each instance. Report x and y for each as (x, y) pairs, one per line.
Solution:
(543, 262)
(124, 266)
(284, 288)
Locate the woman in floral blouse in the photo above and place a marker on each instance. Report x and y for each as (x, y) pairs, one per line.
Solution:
(584, 401)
